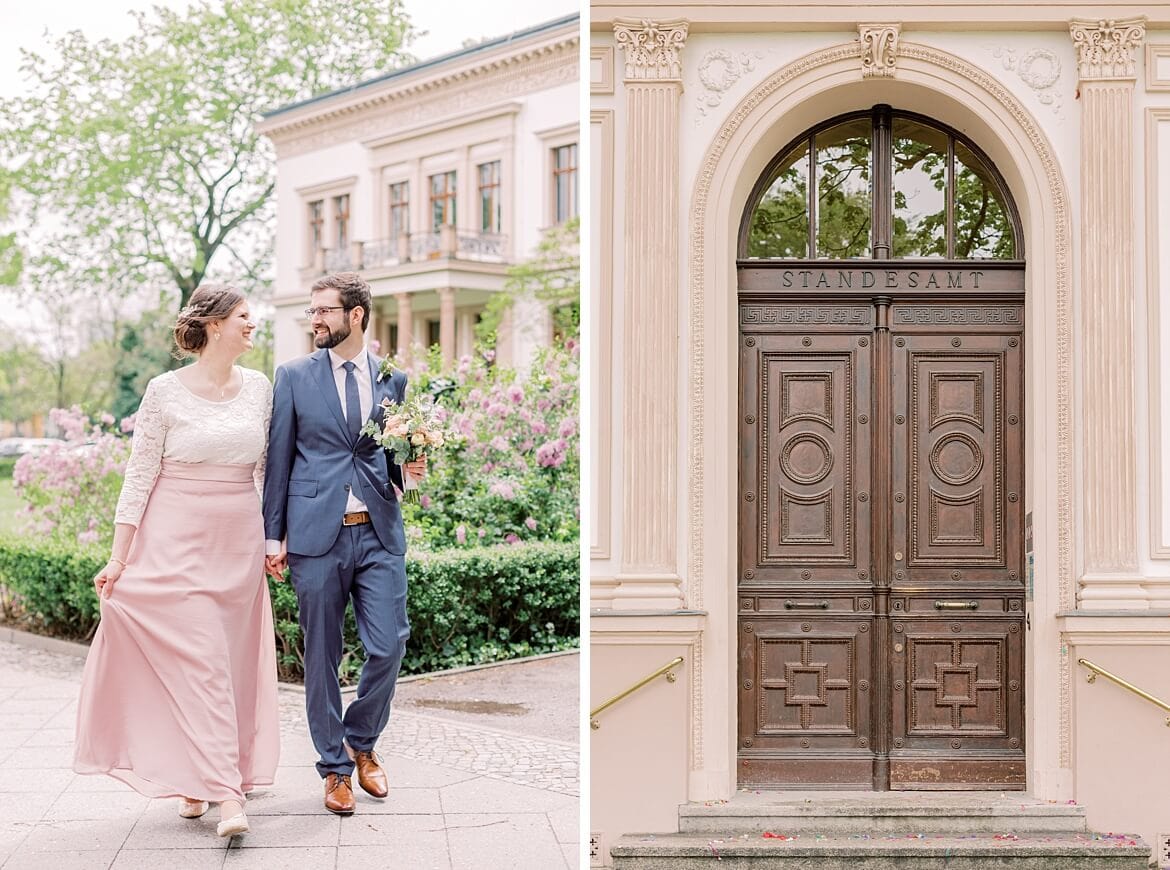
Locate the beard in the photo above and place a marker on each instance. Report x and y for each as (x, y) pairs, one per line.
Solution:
(331, 338)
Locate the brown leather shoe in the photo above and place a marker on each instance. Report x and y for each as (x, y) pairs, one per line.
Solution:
(339, 794)
(371, 776)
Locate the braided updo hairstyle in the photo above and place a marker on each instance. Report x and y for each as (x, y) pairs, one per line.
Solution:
(208, 303)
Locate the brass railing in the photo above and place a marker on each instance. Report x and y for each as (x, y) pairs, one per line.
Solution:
(667, 669)
(1092, 678)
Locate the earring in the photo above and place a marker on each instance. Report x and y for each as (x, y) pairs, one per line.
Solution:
(217, 336)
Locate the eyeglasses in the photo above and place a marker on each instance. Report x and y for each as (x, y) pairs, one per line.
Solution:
(323, 309)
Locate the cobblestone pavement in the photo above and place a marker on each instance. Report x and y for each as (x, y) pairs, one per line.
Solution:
(463, 795)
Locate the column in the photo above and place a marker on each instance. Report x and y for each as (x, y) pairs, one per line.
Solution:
(447, 324)
(648, 577)
(1107, 74)
(465, 333)
(405, 326)
(505, 355)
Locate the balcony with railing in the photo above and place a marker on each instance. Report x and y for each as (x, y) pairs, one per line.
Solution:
(448, 243)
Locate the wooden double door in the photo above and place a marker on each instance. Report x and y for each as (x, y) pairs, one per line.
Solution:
(881, 613)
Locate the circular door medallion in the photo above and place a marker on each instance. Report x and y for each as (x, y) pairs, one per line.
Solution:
(956, 458)
(807, 458)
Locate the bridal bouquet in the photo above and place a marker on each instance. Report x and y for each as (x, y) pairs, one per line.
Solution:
(410, 430)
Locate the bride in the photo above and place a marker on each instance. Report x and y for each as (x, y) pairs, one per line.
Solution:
(179, 692)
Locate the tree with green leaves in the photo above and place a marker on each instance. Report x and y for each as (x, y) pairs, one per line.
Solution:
(551, 276)
(145, 150)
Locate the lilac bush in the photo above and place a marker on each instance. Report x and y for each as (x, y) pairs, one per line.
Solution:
(512, 473)
(70, 490)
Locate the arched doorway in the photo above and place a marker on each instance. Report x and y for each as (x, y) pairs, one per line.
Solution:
(881, 464)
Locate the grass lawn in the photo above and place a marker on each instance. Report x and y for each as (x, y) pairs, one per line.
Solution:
(9, 504)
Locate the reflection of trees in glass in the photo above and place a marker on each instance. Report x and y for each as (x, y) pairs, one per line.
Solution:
(779, 225)
(843, 191)
(920, 154)
(981, 229)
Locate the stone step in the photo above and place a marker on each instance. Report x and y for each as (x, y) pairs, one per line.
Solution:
(832, 813)
(1057, 851)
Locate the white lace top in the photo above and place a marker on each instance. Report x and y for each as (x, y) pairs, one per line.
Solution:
(174, 423)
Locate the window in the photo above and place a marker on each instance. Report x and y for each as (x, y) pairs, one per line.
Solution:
(442, 200)
(341, 221)
(432, 332)
(392, 340)
(564, 182)
(881, 185)
(399, 209)
(316, 227)
(489, 197)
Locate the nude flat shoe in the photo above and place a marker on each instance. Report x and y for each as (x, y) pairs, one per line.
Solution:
(193, 809)
(237, 824)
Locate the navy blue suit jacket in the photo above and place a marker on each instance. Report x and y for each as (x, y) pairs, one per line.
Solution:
(311, 460)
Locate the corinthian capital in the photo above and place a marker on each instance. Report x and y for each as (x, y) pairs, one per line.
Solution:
(879, 48)
(1106, 48)
(651, 48)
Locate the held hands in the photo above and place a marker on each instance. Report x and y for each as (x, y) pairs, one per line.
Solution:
(104, 582)
(274, 565)
(417, 468)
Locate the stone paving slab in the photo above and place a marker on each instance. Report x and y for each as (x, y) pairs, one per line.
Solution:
(463, 795)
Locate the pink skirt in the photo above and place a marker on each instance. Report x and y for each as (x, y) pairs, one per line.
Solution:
(179, 692)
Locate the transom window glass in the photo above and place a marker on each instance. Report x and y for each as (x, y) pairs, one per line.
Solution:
(887, 185)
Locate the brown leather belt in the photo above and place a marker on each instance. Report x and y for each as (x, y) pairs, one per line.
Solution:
(357, 518)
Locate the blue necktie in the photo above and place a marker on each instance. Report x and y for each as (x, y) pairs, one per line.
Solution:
(353, 419)
(353, 405)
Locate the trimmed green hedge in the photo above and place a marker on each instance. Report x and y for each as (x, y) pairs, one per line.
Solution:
(465, 606)
(7, 463)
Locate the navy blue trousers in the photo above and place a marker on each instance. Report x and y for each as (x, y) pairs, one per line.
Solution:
(357, 568)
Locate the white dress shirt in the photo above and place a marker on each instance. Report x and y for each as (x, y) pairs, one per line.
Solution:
(361, 371)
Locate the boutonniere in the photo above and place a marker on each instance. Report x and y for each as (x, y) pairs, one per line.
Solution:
(385, 370)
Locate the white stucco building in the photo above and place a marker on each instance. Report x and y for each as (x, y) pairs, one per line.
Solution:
(430, 181)
(883, 490)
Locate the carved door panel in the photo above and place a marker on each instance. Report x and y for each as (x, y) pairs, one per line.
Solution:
(880, 626)
(956, 524)
(806, 612)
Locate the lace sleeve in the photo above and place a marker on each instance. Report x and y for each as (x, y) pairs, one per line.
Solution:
(265, 389)
(146, 452)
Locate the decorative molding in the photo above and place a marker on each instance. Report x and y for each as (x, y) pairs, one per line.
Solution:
(603, 162)
(718, 71)
(1157, 66)
(355, 118)
(879, 49)
(1038, 68)
(1155, 119)
(334, 186)
(651, 48)
(1065, 706)
(601, 69)
(1058, 280)
(1105, 47)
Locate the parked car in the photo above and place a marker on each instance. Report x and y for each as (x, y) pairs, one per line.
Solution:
(21, 446)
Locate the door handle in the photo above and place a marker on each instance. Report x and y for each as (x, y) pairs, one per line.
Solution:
(956, 605)
(806, 605)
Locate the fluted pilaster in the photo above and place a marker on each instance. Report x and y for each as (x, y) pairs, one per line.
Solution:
(1106, 64)
(649, 576)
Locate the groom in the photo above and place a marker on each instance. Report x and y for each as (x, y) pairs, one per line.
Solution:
(331, 514)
